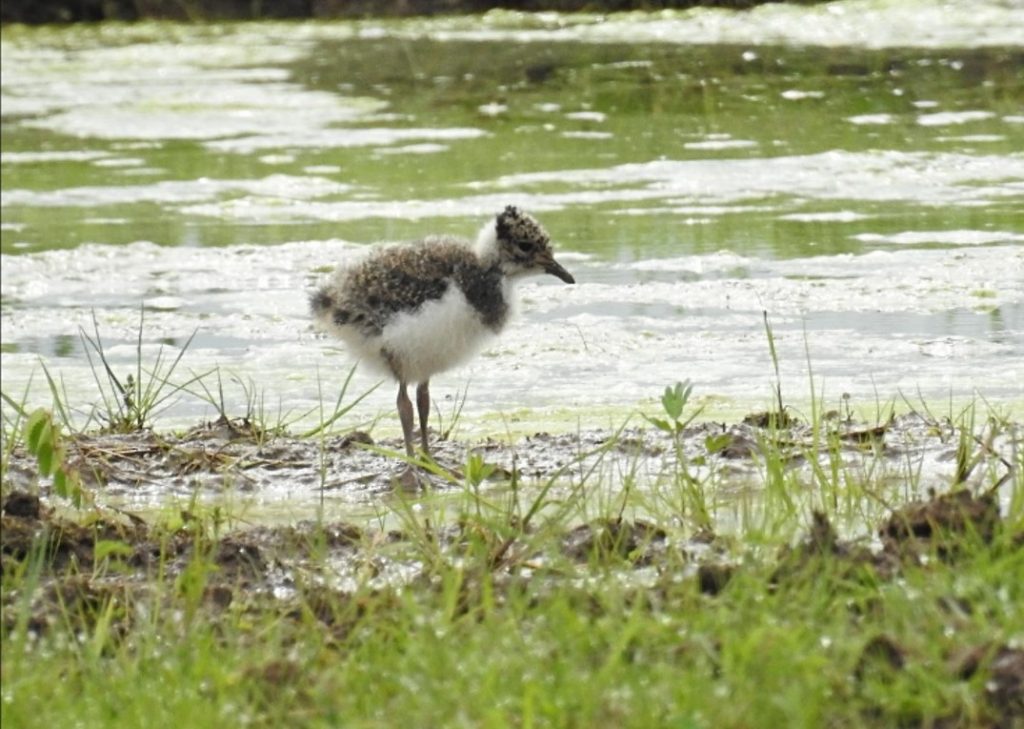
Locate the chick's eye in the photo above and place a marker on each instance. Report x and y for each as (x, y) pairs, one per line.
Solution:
(526, 246)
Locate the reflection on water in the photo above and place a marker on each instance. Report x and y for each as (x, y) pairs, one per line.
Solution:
(866, 196)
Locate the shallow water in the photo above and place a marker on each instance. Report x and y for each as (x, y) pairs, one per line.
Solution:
(854, 170)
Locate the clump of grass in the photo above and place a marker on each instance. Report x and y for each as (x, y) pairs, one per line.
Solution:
(257, 423)
(341, 407)
(458, 403)
(131, 403)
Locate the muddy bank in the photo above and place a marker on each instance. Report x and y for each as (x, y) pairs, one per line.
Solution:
(271, 560)
(233, 463)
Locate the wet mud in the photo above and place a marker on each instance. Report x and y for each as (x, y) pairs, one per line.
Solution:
(234, 459)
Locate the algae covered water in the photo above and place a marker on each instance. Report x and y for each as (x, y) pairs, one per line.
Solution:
(853, 170)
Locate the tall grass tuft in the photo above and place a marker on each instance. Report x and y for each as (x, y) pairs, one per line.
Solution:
(132, 403)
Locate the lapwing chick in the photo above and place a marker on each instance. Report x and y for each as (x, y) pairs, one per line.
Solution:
(414, 310)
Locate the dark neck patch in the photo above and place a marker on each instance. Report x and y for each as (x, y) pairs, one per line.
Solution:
(482, 289)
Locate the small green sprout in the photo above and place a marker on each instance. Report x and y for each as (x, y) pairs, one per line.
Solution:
(674, 401)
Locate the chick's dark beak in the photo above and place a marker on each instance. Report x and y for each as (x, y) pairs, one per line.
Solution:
(555, 269)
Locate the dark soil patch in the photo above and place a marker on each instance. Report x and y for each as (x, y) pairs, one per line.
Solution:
(639, 542)
(911, 533)
(712, 577)
(941, 523)
(881, 654)
(1004, 670)
(28, 526)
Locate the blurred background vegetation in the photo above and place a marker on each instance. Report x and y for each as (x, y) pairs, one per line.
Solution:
(74, 11)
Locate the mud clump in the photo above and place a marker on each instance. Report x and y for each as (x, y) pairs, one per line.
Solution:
(239, 560)
(936, 526)
(739, 447)
(28, 525)
(822, 552)
(882, 654)
(23, 505)
(940, 524)
(777, 420)
(712, 577)
(1004, 669)
(356, 438)
(635, 541)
